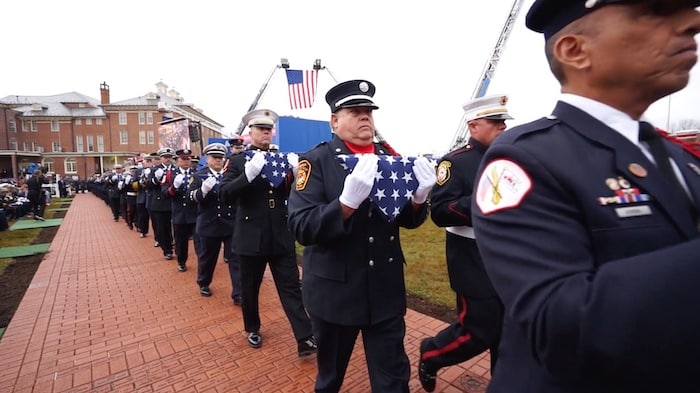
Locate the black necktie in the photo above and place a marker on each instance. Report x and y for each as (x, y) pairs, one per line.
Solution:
(648, 134)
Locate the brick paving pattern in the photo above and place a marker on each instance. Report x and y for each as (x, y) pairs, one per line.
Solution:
(106, 313)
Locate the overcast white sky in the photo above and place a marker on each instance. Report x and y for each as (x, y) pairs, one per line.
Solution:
(425, 57)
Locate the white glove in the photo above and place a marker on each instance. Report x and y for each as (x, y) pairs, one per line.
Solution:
(208, 184)
(159, 173)
(114, 177)
(147, 171)
(359, 183)
(120, 185)
(177, 182)
(128, 179)
(254, 166)
(424, 171)
(293, 160)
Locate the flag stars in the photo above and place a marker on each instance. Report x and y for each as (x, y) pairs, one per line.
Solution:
(407, 177)
(380, 194)
(394, 176)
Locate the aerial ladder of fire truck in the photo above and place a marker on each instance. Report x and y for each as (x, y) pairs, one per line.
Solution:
(462, 134)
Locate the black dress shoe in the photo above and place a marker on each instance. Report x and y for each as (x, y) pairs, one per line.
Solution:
(426, 375)
(168, 257)
(307, 347)
(205, 291)
(181, 268)
(237, 301)
(254, 340)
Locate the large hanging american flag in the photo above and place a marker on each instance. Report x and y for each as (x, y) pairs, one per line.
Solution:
(394, 182)
(302, 88)
(276, 166)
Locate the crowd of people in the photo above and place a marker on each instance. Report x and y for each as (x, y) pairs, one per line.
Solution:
(571, 241)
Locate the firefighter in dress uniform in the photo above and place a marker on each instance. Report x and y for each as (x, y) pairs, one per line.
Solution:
(479, 311)
(261, 235)
(353, 264)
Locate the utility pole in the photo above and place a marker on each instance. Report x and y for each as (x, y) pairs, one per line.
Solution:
(284, 63)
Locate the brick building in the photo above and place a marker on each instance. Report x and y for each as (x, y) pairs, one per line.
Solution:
(75, 135)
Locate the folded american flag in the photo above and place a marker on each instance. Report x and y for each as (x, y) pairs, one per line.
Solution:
(276, 166)
(394, 182)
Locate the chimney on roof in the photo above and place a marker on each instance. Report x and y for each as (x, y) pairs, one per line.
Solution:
(104, 93)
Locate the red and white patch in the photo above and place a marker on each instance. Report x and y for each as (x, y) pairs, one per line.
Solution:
(503, 185)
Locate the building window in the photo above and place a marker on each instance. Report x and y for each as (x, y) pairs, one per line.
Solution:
(122, 118)
(25, 146)
(25, 125)
(70, 165)
(90, 143)
(79, 143)
(98, 122)
(142, 137)
(55, 127)
(78, 122)
(48, 164)
(88, 122)
(13, 144)
(100, 143)
(34, 127)
(149, 117)
(55, 146)
(151, 139)
(123, 137)
(12, 126)
(37, 148)
(142, 117)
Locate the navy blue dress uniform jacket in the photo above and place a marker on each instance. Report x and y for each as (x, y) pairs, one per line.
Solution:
(159, 202)
(261, 220)
(184, 210)
(600, 295)
(451, 206)
(353, 270)
(215, 217)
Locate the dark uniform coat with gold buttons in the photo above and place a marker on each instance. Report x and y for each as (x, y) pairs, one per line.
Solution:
(353, 270)
(215, 216)
(597, 264)
(261, 220)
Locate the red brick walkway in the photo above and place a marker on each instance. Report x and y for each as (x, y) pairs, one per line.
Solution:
(106, 313)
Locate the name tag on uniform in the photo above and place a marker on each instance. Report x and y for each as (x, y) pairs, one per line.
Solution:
(633, 211)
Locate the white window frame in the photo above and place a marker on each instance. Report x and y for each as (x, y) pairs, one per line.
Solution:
(88, 122)
(100, 143)
(122, 118)
(25, 125)
(34, 127)
(150, 137)
(70, 165)
(56, 146)
(98, 121)
(90, 143)
(142, 137)
(13, 144)
(123, 137)
(149, 117)
(78, 122)
(142, 117)
(48, 163)
(79, 143)
(12, 126)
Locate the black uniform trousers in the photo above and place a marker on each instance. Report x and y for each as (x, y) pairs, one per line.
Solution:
(286, 276)
(162, 221)
(131, 214)
(208, 256)
(388, 365)
(38, 203)
(477, 328)
(182, 234)
(115, 205)
(142, 218)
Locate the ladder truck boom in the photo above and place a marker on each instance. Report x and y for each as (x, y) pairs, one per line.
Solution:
(462, 134)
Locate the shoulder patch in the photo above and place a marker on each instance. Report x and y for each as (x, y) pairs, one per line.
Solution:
(443, 172)
(303, 173)
(503, 185)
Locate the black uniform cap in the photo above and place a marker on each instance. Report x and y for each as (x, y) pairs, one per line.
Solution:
(354, 93)
(550, 16)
